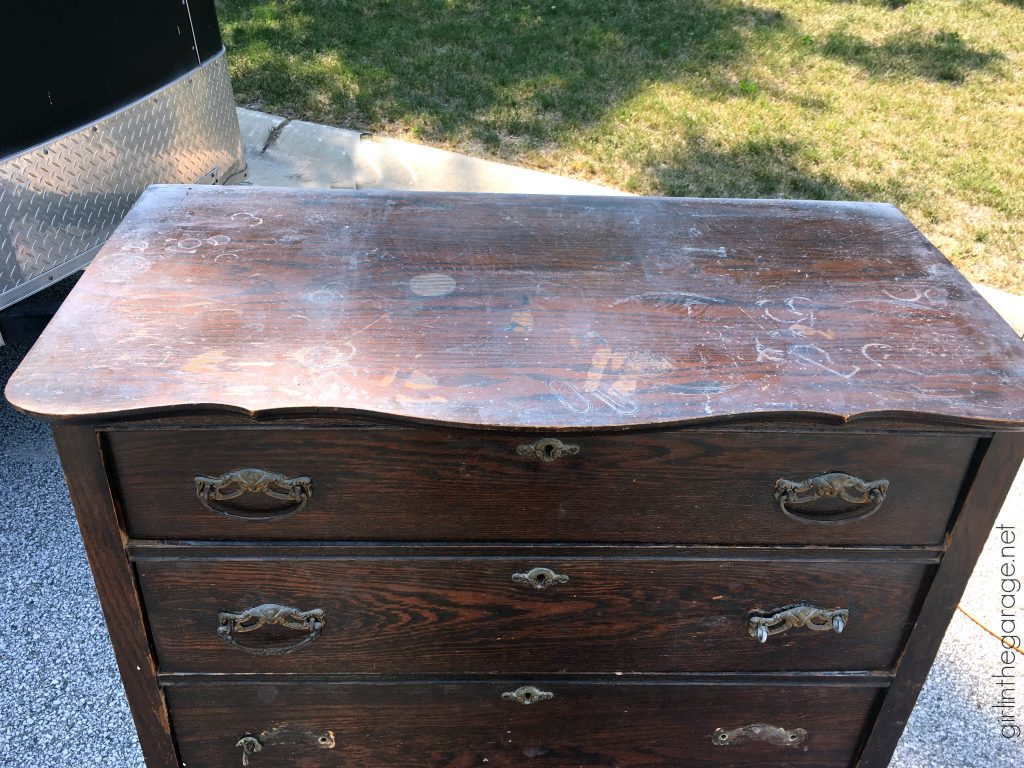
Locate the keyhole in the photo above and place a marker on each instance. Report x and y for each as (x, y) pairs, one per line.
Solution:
(549, 450)
(528, 697)
(540, 578)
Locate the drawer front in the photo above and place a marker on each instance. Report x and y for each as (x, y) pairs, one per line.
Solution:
(421, 615)
(432, 485)
(392, 725)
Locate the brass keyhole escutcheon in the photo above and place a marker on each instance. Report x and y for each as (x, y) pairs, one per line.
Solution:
(540, 578)
(547, 449)
(528, 694)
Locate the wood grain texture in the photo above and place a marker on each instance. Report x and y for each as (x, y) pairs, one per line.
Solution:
(521, 311)
(225, 419)
(399, 347)
(978, 514)
(461, 485)
(422, 615)
(459, 725)
(114, 577)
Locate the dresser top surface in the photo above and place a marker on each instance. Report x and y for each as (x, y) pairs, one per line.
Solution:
(521, 311)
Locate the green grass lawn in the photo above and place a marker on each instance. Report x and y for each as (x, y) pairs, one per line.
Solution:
(918, 103)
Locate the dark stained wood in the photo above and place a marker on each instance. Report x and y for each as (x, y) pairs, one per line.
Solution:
(420, 614)
(832, 678)
(398, 347)
(458, 725)
(521, 311)
(173, 550)
(459, 485)
(978, 514)
(919, 425)
(113, 575)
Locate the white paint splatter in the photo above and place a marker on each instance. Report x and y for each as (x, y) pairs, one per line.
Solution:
(569, 396)
(813, 355)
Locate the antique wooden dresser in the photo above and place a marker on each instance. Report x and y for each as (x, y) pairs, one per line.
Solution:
(424, 480)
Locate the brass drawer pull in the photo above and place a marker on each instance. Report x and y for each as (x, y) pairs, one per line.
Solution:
(527, 695)
(759, 732)
(838, 485)
(540, 578)
(250, 744)
(231, 485)
(231, 624)
(761, 627)
(547, 449)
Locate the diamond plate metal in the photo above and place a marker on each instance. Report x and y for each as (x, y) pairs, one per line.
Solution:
(60, 201)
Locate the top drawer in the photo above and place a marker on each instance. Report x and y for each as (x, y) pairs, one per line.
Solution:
(455, 485)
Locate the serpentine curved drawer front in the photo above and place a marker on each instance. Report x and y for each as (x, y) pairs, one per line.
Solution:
(410, 725)
(459, 485)
(424, 614)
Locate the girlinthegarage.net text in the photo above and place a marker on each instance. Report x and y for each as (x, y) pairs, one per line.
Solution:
(1009, 656)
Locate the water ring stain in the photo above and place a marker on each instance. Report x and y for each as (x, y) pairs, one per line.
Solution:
(432, 284)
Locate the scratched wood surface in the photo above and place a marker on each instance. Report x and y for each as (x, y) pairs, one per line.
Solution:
(458, 725)
(465, 615)
(521, 311)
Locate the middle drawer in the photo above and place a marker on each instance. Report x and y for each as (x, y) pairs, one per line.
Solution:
(479, 615)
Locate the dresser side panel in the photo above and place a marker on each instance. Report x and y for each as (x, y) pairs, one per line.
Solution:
(98, 521)
(974, 522)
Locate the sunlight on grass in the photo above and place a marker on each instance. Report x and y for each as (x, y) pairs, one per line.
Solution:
(915, 102)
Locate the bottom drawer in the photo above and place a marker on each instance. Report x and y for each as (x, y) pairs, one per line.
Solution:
(521, 723)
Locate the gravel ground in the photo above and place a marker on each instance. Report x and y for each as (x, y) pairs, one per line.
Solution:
(62, 704)
(61, 700)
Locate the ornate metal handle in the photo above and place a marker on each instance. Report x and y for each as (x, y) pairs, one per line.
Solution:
(310, 622)
(831, 485)
(527, 695)
(231, 485)
(759, 732)
(761, 627)
(540, 578)
(250, 744)
(547, 449)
